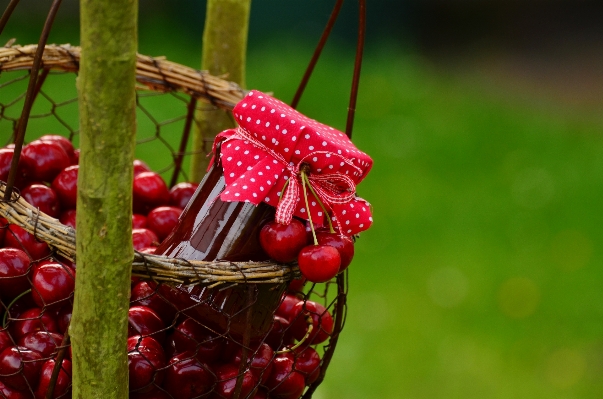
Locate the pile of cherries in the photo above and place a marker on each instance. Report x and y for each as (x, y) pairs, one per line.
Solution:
(170, 355)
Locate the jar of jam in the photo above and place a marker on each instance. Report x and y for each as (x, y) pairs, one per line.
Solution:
(211, 229)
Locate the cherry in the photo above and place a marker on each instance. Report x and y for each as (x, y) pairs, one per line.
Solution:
(181, 194)
(65, 185)
(62, 141)
(142, 238)
(227, 375)
(319, 263)
(14, 266)
(322, 322)
(16, 237)
(6, 159)
(341, 243)
(63, 382)
(144, 321)
(280, 334)
(19, 367)
(42, 197)
(283, 242)
(45, 159)
(154, 394)
(297, 285)
(64, 317)
(140, 166)
(307, 362)
(261, 362)
(144, 293)
(145, 359)
(5, 340)
(191, 336)
(68, 218)
(163, 219)
(52, 284)
(7, 392)
(32, 320)
(43, 342)
(285, 382)
(187, 377)
(260, 394)
(149, 191)
(76, 157)
(139, 221)
(285, 308)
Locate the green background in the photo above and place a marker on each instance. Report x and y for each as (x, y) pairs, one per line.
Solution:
(481, 277)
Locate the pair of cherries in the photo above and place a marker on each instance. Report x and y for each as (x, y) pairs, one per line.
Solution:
(330, 254)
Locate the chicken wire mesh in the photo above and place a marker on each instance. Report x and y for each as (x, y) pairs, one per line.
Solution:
(186, 341)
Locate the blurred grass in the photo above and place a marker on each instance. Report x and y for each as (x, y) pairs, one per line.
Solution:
(481, 277)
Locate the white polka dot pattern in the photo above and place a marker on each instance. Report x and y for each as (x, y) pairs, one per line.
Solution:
(273, 141)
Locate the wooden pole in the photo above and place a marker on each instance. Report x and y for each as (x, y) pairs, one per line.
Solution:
(107, 106)
(224, 52)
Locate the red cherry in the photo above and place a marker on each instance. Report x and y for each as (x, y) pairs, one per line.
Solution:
(181, 194)
(64, 317)
(145, 293)
(65, 185)
(52, 284)
(63, 382)
(322, 322)
(280, 335)
(139, 221)
(261, 363)
(16, 237)
(43, 342)
(162, 220)
(341, 243)
(45, 159)
(283, 242)
(149, 191)
(142, 238)
(76, 157)
(297, 285)
(144, 321)
(7, 392)
(23, 172)
(14, 266)
(5, 340)
(62, 141)
(227, 375)
(260, 394)
(154, 394)
(307, 362)
(285, 382)
(319, 263)
(68, 218)
(140, 166)
(191, 336)
(32, 320)
(42, 197)
(187, 377)
(145, 361)
(285, 308)
(19, 367)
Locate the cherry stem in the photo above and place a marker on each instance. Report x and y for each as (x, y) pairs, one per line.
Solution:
(331, 229)
(304, 179)
(4, 319)
(310, 323)
(284, 188)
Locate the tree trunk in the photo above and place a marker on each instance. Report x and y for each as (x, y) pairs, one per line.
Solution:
(107, 105)
(224, 52)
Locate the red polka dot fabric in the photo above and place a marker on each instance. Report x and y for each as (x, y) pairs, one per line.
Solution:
(270, 146)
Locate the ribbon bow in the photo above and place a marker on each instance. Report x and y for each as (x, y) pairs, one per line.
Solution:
(268, 151)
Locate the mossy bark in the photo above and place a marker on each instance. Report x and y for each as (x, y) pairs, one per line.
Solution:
(224, 53)
(107, 105)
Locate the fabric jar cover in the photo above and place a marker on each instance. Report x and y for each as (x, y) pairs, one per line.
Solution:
(270, 146)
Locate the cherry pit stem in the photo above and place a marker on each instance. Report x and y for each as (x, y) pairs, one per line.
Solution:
(304, 177)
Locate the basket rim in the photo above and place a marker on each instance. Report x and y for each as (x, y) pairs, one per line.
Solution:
(152, 73)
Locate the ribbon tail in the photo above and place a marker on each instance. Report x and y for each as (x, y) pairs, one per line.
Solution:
(288, 202)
